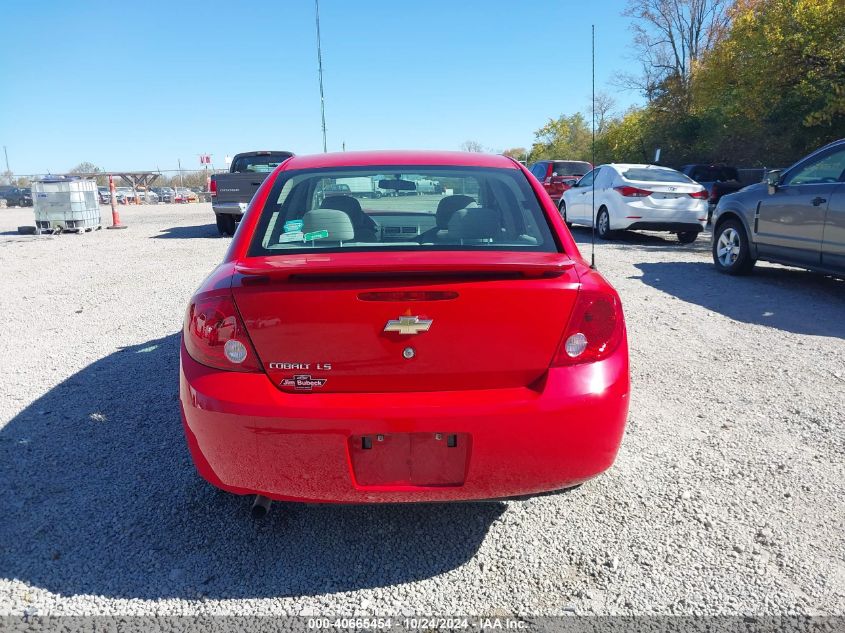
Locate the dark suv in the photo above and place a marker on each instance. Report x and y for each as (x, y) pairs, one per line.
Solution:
(555, 175)
(16, 196)
(796, 217)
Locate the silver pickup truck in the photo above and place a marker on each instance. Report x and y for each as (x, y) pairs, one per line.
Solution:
(231, 192)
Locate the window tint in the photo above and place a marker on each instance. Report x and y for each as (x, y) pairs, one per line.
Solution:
(571, 167)
(264, 163)
(539, 171)
(828, 169)
(587, 180)
(654, 174)
(402, 208)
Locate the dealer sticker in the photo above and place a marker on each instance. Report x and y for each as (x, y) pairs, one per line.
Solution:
(316, 235)
(292, 226)
(295, 236)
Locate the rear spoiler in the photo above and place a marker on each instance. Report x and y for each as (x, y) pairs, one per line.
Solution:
(364, 265)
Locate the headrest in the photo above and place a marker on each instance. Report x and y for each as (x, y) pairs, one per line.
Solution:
(337, 223)
(447, 207)
(347, 204)
(478, 223)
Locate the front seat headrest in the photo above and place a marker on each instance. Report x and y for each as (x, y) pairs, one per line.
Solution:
(349, 205)
(447, 207)
(337, 223)
(478, 223)
(365, 228)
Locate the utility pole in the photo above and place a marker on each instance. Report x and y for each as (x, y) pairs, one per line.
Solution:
(8, 171)
(320, 71)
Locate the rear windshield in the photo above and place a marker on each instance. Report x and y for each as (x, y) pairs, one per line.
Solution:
(654, 174)
(264, 163)
(714, 174)
(402, 208)
(570, 168)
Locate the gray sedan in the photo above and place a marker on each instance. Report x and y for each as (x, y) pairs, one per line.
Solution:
(796, 217)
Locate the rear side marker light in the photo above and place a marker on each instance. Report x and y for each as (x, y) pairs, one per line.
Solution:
(632, 192)
(595, 329)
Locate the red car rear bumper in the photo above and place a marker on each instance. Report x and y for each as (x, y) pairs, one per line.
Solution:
(248, 437)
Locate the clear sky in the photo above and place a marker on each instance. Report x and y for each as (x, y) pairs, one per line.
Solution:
(138, 86)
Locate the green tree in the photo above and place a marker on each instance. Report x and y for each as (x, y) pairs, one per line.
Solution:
(517, 153)
(565, 137)
(90, 168)
(774, 88)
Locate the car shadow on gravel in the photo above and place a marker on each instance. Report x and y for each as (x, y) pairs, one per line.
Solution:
(188, 232)
(100, 497)
(648, 241)
(788, 299)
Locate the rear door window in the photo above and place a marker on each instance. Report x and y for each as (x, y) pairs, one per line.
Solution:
(261, 163)
(571, 168)
(402, 208)
(655, 174)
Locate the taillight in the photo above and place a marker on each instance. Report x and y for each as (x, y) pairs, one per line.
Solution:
(699, 195)
(215, 335)
(632, 192)
(212, 187)
(594, 331)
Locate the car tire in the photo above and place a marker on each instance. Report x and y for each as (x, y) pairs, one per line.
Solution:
(603, 225)
(226, 224)
(687, 237)
(562, 209)
(731, 251)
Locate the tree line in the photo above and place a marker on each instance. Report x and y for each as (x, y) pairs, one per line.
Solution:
(746, 82)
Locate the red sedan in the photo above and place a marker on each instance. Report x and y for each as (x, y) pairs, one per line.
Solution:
(429, 347)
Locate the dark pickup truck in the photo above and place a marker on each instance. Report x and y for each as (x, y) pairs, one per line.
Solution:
(717, 179)
(18, 196)
(231, 192)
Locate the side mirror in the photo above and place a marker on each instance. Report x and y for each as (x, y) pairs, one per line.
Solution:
(570, 183)
(773, 179)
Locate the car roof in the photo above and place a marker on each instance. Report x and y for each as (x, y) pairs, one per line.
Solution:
(636, 166)
(399, 157)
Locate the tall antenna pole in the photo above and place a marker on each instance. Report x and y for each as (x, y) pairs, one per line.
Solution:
(8, 171)
(593, 236)
(320, 70)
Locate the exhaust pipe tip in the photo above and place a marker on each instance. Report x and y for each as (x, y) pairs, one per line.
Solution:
(260, 507)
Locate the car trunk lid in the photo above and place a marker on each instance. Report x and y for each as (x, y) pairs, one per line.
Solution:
(385, 322)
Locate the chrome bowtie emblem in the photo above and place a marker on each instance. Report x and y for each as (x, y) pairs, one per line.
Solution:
(408, 325)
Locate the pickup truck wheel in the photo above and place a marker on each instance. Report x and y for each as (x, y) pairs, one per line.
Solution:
(226, 224)
(731, 252)
(687, 237)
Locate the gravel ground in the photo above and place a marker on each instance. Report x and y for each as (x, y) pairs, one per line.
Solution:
(726, 498)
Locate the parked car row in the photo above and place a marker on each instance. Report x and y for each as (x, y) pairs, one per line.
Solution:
(154, 195)
(795, 217)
